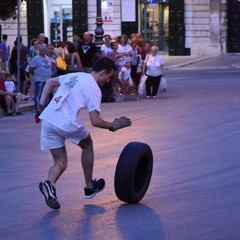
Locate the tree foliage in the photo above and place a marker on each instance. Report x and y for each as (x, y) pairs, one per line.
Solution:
(8, 9)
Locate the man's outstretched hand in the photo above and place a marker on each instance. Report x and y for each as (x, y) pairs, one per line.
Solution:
(39, 111)
(119, 123)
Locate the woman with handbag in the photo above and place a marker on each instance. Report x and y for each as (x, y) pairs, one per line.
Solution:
(72, 59)
(60, 58)
(153, 67)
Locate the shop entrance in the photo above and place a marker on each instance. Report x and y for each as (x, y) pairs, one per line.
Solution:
(61, 28)
(155, 23)
(233, 26)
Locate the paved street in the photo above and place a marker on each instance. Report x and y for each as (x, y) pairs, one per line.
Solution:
(194, 132)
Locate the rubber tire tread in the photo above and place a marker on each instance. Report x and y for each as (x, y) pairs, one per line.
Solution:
(133, 172)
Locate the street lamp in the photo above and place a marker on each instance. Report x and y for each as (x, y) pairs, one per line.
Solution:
(99, 29)
(18, 44)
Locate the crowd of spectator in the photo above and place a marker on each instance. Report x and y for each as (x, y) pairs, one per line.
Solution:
(42, 60)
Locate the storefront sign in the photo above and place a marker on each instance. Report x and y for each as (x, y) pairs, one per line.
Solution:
(107, 11)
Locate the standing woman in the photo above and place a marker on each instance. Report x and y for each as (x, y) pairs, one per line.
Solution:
(153, 67)
(72, 59)
(106, 49)
(61, 51)
(124, 49)
(40, 68)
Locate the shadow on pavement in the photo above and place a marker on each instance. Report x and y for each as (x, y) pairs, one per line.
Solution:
(138, 221)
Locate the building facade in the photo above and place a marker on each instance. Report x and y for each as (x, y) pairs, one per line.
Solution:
(180, 27)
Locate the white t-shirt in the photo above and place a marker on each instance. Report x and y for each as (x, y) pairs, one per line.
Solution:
(106, 50)
(9, 86)
(76, 91)
(126, 74)
(124, 59)
(42, 68)
(153, 65)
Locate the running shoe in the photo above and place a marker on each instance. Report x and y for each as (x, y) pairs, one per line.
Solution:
(98, 186)
(49, 192)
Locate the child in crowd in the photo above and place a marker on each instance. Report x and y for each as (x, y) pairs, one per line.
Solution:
(9, 84)
(124, 77)
(13, 99)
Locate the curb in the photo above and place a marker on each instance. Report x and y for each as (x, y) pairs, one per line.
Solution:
(26, 107)
(180, 65)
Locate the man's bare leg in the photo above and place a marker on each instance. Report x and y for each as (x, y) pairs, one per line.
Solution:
(87, 160)
(47, 188)
(60, 164)
(92, 186)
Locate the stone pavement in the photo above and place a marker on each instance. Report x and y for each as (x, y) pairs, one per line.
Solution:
(194, 132)
(225, 61)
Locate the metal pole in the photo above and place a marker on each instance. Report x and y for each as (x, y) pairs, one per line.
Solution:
(153, 27)
(0, 45)
(99, 29)
(18, 44)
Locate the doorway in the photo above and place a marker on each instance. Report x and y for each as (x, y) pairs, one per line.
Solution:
(233, 26)
(154, 26)
(61, 27)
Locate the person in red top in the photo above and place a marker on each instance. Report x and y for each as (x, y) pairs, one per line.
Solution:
(9, 101)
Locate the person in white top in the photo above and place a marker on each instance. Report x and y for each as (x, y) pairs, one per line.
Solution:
(9, 85)
(124, 77)
(9, 100)
(124, 49)
(106, 49)
(153, 67)
(61, 120)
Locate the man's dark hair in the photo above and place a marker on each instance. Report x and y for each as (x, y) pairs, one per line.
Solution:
(20, 39)
(5, 36)
(103, 63)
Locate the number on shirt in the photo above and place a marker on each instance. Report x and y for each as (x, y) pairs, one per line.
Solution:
(57, 99)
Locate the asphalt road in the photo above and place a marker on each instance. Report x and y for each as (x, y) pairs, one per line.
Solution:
(194, 132)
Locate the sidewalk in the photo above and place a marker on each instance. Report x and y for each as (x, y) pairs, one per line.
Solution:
(224, 61)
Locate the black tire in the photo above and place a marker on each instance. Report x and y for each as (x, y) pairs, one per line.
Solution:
(133, 172)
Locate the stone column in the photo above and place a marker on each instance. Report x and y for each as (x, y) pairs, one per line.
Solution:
(214, 26)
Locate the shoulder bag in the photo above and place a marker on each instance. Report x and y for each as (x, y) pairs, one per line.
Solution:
(61, 64)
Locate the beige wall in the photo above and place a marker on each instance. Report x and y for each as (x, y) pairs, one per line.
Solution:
(112, 28)
(205, 22)
(9, 27)
(206, 26)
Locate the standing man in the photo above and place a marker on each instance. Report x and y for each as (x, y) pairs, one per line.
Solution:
(41, 39)
(87, 52)
(4, 54)
(61, 120)
(40, 68)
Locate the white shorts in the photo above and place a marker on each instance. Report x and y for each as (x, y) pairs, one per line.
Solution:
(53, 137)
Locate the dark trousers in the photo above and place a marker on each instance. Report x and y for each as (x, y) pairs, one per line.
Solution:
(152, 85)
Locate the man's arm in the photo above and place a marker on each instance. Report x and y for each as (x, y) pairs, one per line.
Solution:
(48, 88)
(117, 124)
(97, 121)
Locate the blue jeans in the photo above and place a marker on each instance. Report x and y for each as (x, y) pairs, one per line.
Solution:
(38, 92)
